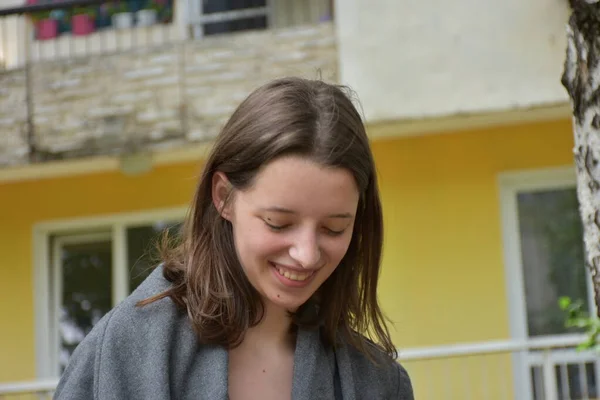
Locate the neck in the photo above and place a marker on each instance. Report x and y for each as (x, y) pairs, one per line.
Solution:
(273, 330)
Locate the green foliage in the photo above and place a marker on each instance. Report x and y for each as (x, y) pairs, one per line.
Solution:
(89, 11)
(39, 16)
(113, 8)
(578, 318)
(152, 5)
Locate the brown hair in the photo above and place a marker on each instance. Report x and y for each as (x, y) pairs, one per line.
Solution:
(289, 116)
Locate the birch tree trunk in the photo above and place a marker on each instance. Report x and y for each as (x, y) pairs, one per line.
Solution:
(581, 78)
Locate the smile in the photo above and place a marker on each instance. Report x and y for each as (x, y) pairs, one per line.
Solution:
(293, 275)
(293, 278)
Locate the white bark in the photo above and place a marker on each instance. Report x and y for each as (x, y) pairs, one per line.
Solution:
(581, 78)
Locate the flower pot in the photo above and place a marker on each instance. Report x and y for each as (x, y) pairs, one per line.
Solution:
(146, 17)
(82, 25)
(122, 20)
(46, 29)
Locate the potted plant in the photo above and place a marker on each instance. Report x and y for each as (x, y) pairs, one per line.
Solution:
(45, 26)
(82, 21)
(103, 19)
(122, 18)
(165, 15)
(148, 15)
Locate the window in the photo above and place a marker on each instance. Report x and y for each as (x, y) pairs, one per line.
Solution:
(82, 270)
(90, 267)
(253, 21)
(211, 17)
(553, 266)
(552, 256)
(545, 260)
(142, 252)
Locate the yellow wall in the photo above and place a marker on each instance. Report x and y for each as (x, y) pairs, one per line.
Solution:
(443, 277)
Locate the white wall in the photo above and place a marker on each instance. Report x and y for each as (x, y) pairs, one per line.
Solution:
(415, 58)
(12, 30)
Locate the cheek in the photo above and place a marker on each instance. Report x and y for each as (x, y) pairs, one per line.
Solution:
(265, 245)
(255, 244)
(336, 250)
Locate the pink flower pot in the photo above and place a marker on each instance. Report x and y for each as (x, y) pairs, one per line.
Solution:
(82, 25)
(46, 29)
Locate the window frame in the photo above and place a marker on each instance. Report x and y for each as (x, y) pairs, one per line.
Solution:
(510, 184)
(45, 303)
(197, 19)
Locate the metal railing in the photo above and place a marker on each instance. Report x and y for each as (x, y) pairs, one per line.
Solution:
(534, 369)
(37, 390)
(538, 369)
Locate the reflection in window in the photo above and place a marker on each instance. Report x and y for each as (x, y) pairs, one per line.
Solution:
(242, 24)
(574, 381)
(142, 249)
(86, 278)
(86, 292)
(552, 255)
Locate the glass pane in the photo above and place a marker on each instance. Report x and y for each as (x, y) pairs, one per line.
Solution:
(243, 24)
(214, 6)
(576, 381)
(86, 292)
(573, 382)
(237, 25)
(553, 257)
(142, 249)
(537, 383)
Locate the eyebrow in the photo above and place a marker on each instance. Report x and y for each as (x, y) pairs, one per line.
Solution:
(288, 211)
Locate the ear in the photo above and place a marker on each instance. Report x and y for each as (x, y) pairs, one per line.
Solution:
(221, 190)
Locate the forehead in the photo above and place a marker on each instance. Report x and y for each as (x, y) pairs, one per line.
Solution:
(304, 186)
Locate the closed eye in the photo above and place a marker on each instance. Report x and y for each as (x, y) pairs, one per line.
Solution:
(279, 228)
(276, 228)
(331, 232)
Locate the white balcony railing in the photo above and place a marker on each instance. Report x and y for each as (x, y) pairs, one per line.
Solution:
(535, 369)
(539, 369)
(37, 390)
(18, 47)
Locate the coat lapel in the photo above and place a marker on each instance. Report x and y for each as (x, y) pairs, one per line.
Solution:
(344, 366)
(209, 378)
(314, 368)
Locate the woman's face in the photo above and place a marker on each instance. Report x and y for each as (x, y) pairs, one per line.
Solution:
(292, 227)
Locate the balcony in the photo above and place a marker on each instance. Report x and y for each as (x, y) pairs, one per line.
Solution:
(167, 81)
(539, 369)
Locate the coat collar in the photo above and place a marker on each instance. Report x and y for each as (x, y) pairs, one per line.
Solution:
(314, 370)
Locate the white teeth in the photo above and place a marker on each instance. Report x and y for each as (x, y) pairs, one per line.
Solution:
(294, 276)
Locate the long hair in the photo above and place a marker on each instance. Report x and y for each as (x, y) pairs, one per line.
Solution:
(289, 116)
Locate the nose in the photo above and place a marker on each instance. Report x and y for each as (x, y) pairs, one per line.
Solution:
(305, 250)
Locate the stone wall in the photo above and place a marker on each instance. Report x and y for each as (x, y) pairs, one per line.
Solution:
(152, 98)
(14, 146)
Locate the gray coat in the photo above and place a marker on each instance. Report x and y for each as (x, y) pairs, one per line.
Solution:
(152, 353)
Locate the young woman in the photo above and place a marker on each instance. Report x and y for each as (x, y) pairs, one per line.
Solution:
(275, 280)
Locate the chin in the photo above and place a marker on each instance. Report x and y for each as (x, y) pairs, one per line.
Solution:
(290, 303)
